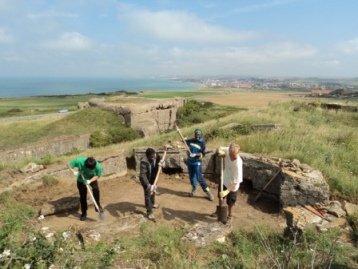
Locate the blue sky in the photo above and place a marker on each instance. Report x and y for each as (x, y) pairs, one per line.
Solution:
(163, 38)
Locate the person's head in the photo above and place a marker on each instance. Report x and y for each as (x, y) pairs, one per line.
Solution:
(198, 133)
(90, 163)
(233, 151)
(151, 154)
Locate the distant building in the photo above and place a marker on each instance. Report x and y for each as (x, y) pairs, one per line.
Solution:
(320, 92)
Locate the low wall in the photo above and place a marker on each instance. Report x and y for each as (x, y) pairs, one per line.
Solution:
(38, 150)
(114, 164)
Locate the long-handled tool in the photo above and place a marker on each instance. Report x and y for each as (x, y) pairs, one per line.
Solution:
(267, 184)
(100, 213)
(222, 209)
(160, 167)
(182, 138)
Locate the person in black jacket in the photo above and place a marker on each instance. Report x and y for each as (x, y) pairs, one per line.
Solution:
(149, 165)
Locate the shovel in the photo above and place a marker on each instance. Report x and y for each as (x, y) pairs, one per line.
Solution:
(222, 209)
(100, 214)
(182, 138)
(160, 168)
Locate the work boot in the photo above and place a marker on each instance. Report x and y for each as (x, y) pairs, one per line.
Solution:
(192, 193)
(151, 217)
(210, 196)
(83, 217)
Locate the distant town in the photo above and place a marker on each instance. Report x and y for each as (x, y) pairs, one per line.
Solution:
(314, 87)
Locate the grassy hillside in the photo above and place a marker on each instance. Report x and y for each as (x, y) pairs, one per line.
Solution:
(82, 122)
(326, 140)
(39, 105)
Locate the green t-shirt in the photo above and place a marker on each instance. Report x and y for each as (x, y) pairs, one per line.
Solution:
(82, 169)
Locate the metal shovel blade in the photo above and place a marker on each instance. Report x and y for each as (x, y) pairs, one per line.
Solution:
(101, 215)
(222, 213)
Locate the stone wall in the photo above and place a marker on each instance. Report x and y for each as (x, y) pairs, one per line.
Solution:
(293, 184)
(114, 164)
(151, 117)
(56, 146)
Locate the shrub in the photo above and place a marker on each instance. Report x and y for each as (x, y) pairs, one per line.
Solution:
(49, 181)
(99, 139)
(194, 112)
(120, 134)
(112, 136)
(47, 160)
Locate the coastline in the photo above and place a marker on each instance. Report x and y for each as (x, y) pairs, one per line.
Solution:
(46, 87)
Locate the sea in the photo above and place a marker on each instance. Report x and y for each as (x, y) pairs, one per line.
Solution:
(21, 87)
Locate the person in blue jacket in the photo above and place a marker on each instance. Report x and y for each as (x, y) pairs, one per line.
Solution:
(197, 148)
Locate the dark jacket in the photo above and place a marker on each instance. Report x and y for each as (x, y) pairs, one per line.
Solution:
(146, 175)
(196, 147)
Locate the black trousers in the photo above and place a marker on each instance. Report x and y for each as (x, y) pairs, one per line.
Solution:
(82, 189)
(149, 200)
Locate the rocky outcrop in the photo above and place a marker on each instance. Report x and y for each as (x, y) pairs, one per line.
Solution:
(295, 184)
(149, 117)
(299, 219)
(202, 234)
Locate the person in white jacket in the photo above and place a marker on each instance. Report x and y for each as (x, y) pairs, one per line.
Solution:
(232, 175)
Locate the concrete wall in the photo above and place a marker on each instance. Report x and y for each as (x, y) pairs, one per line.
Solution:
(150, 118)
(56, 146)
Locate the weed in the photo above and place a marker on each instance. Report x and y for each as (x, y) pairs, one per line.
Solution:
(47, 160)
(49, 181)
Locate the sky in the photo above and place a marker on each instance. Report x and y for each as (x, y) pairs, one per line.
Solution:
(186, 38)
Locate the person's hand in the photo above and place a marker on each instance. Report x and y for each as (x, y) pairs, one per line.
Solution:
(221, 153)
(151, 188)
(223, 194)
(192, 155)
(87, 182)
(161, 163)
(75, 173)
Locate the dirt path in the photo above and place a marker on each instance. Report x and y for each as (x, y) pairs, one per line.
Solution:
(123, 197)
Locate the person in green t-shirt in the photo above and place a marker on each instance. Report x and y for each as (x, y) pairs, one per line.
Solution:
(87, 170)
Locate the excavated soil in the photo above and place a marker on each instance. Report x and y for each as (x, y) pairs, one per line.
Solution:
(123, 198)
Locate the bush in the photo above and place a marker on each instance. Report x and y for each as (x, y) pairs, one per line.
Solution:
(194, 112)
(353, 221)
(99, 139)
(47, 160)
(112, 136)
(49, 181)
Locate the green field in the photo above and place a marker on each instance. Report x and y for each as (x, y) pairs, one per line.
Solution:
(172, 94)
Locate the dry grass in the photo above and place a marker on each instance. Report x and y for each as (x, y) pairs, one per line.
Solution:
(250, 99)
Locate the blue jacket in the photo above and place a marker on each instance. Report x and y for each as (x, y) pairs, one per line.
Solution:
(196, 147)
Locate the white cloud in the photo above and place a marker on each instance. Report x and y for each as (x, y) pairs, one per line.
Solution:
(260, 6)
(349, 47)
(273, 53)
(51, 14)
(70, 41)
(5, 37)
(179, 26)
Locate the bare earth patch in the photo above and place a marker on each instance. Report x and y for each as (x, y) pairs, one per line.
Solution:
(123, 197)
